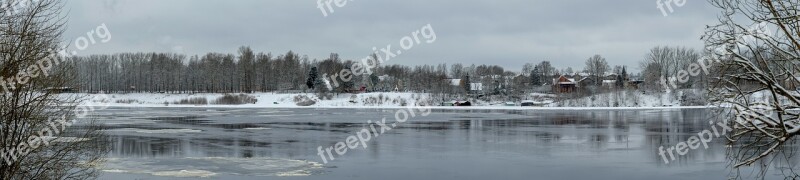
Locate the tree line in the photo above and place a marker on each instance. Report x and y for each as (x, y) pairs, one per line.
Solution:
(247, 71)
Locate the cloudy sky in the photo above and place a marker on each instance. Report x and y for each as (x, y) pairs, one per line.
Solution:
(502, 32)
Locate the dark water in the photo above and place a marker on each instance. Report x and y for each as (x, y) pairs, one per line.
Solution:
(168, 143)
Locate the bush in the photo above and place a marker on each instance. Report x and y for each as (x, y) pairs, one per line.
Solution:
(127, 101)
(193, 101)
(229, 99)
(693, 98)
(303, 100)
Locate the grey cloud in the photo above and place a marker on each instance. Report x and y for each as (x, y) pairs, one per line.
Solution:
(508, 32)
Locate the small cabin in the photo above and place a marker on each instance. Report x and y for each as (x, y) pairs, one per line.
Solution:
(562, 84)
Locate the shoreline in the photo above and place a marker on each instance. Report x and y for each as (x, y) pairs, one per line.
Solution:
(405, 107)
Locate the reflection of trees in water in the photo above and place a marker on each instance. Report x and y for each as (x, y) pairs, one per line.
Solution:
(673, 127)
(783, 161)
(152, 147)
(524, 132)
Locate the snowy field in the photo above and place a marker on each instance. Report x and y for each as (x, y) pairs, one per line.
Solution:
(373, 100)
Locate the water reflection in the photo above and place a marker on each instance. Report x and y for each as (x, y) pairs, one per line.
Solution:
(510, 140)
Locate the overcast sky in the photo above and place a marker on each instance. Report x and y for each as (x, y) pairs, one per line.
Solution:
(501, 32)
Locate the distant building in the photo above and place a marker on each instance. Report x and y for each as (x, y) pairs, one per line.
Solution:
(634, 84)
(562, 84)
(609, 83)
(586, 81)
(474, 87)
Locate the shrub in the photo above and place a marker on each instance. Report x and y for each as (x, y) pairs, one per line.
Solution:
(193, 101)
(229, 99)
(303, 100)
(127, 101)
(693, 98)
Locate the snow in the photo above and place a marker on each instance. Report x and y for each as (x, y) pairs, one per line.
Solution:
(388, 101)
(259, 128)
(157, 131)
(626, 99)
(185, 173)
(210, 167)
(273, 100)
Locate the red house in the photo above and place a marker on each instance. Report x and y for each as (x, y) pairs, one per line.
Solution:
(563, 84)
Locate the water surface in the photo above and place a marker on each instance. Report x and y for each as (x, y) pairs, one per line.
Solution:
(220, 143)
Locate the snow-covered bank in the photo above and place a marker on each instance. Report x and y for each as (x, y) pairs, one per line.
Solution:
(634, 98)
(365, 101)
(268, 100)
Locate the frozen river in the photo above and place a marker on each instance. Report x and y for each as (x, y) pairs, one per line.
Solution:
(219, 143)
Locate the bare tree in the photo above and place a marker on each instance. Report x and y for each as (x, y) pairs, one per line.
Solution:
(547, 71)
(28, 35)
(527, 68)
(597, 66)
(246, 62)
(666, 62)
(756, 44)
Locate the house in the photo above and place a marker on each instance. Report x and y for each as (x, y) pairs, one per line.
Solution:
(609, 83)
(562, 84)
(610, 76)
(634, 84)
(474, 87)
(454, 82)
(586, 81)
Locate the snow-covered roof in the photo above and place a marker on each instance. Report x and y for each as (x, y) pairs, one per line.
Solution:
(473, 86)
(569, 80)
(455, 82)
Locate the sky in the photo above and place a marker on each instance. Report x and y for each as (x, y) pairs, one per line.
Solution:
(508, 33)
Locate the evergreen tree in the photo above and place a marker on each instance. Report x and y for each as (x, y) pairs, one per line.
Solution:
(621, 78)
(347, 85)
(321, 87)
(536, 76)
(624, 73)
(466, 84)
(312, 78)
(374, 80)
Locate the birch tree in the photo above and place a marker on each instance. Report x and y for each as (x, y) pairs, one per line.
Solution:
(28, 35)
(756, 43)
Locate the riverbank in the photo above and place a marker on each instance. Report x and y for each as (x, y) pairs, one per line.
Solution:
(341, 101)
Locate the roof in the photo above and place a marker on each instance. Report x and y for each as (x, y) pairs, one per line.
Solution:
(455, 82)
(559, 80)
(472, 86)
(571, 81)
